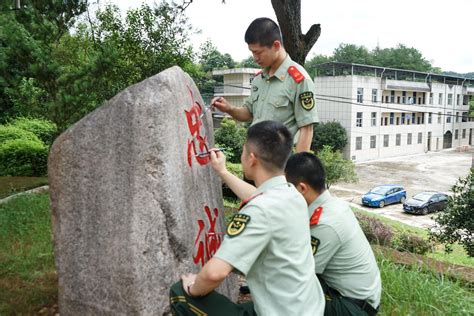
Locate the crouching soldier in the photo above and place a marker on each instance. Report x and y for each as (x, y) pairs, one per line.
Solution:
(344, 260)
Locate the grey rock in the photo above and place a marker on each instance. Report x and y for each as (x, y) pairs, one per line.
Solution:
(126, 204)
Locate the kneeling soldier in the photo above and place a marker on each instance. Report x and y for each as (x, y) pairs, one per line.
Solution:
(344, 260)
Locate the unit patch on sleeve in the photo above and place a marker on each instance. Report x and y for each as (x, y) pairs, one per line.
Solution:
(237, 225)
(315, 244)
(307, 100)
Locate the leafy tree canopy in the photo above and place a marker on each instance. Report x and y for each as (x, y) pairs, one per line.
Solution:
(330, 134)
(337, 168)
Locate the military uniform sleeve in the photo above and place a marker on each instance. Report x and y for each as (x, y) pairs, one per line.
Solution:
(305, 103)
(327, 243)
(246, 236)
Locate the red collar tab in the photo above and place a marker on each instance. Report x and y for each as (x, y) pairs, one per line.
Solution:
(244, 202)
(315, 217)
(259, 73)
(295, 74)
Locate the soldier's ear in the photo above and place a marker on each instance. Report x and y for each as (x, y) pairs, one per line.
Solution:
(276, 45)
(302, 188)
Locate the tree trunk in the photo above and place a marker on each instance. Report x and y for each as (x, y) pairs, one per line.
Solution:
(297, 45)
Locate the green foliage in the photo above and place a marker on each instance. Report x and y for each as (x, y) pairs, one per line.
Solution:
(331, 134)
(9, 132)
(412, 243)
(318, 59)
(44, 129)
(351, 53)
(23, 157)
(374, 230)
(210, 58)
(235, 169)
(456, 223)
(232, 137)
(337, 168)
(249, 63)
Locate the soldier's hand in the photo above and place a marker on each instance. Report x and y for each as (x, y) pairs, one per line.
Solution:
(218, 161)
(221, 104)
(188, 280)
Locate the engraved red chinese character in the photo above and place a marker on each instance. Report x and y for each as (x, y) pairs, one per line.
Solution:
(197, 144)
(208, 242)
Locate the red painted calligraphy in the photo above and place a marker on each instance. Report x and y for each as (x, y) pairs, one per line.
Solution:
(197, 144)
(207, 243)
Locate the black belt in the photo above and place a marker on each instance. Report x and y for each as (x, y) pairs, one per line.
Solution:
(364, 305)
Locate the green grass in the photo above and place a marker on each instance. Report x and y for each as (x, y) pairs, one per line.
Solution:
(412, 291)
(12, 185)
(27, 273)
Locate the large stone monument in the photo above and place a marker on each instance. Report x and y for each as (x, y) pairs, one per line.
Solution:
(135, 203)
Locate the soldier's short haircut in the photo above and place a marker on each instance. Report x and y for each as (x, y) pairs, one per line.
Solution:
(306, 167)
(271, 142)
(263, 31)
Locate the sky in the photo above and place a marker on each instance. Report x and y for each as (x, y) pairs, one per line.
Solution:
(441, 30)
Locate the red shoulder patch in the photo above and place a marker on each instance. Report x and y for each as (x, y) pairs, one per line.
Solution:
(295, 74)
(314, 220)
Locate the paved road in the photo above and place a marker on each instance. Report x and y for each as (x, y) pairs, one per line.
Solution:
(423, 172)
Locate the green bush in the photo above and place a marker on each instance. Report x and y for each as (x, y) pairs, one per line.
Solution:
(232, 137)
(23, 157)
(9, 132)
(411, 243)
(329, 134)
(375, 231)
(44, 129)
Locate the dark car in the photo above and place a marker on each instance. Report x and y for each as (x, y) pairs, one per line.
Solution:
(384, 195)
(426, 202)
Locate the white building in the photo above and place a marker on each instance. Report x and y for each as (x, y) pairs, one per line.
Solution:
(236, 87)
(391, 112)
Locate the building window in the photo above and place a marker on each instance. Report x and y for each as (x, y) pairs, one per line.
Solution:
(359, 119)
(414, 98)
(374, 95)
(430, 118)
(420, 137)
(385, 140)
(403, 118)
(413, 118)
(457, 117)
(464, 117)
(404, 97)
(392, 116)
(360, 95)
(398, 99)
(373, 118)
(386, 121)
(456, 134)
(450, 99)
(358, 143)
(458, 99)
(440, 99)
(439, 117)
(397, 120)
(392, 96)
(464, 133)
(409, 139)
(398, 139)
(373, 140)
(431, 98)
(418, 120)
(448, 117)
(386, 99)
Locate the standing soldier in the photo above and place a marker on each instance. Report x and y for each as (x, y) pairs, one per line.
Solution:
(282, 91)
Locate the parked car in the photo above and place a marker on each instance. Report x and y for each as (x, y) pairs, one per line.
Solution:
(426, 202)
(384, 195)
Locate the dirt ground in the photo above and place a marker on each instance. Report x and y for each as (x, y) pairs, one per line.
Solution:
(423, 172)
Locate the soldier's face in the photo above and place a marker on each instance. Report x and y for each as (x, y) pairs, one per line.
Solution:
(264, 56)
(244, 159)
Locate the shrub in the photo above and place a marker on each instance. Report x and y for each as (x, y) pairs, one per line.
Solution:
(375, 231)
(23, 157)
(44, 129)
(330, 134)
(8, 132)
(232, 137)
(411, 243)
(236, 169)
